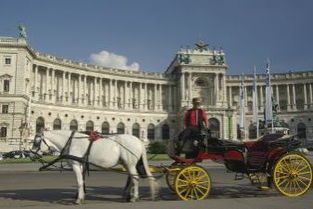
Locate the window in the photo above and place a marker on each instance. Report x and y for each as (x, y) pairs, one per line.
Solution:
(5, 108)
(136, 130)
(89, 126)
(3, 132)
(165, 132)
(151, 132)
(6, 86)
(57, 124)
(40, 124)
(105, 128)
(121, 128)
(7, 61)
(74, 125)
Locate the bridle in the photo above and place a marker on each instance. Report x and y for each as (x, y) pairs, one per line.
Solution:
(37, 145)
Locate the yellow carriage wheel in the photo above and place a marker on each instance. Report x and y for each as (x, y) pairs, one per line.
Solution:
(292, 175)
(192, 183)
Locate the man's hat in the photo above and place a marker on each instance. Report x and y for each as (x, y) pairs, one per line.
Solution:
(196, 100)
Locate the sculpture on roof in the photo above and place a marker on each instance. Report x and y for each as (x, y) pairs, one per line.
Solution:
(201, 46)
(22, 32)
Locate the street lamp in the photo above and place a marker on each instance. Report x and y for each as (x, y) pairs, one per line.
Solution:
(229, 113)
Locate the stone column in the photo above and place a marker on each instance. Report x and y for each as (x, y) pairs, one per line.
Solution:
(288, 98)
(111, 94)
(146, 96)
(294, 97)
(160, 97)
(36, 82)
(93, 91)
(126, 94)
(85, 90)
(170, 98)
(154, 97)
(130, 105)
(261, 98)
(189, 88)
(70, 99)
(63, 88)
(100, 93)
(52, 85)
(305, 97)
(216, 89)
(46, 97)
(182, 87)
(115, 94)
(230, 96)
(277, 96)
(224, 90)
(79, 89)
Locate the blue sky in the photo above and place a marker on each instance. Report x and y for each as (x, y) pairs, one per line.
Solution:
(148, 33)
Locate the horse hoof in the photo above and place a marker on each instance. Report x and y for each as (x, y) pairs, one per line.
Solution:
(79, 201)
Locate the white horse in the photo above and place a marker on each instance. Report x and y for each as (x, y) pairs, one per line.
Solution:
(123, 149)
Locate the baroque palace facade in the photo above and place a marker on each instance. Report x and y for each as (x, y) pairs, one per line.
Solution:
(57, 93)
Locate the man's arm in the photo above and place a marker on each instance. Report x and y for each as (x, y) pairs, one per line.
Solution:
(205, 119)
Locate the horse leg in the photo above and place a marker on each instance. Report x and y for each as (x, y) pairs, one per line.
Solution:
(126, 187)
(133, 188)
(77, 168)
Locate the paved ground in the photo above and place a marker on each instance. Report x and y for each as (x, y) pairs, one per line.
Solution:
(21, 186)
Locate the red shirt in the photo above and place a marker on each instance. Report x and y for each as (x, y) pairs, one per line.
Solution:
(194, 118)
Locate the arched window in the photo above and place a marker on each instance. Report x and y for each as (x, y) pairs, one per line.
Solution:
(301, 130)
(89, 126)
(151, 132)
(136, 130)
(165, 132)
(120, 128)
(105, 128)
(57, 124)
(214, 126)
(74, 125)
(40, 124)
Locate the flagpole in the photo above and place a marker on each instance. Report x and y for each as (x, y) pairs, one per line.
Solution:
(268, 105)
(242, 110)
(255, 103)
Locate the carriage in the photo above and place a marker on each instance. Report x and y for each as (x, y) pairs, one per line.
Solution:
(270, 160)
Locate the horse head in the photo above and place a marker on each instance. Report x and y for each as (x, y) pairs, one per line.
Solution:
(41, 145)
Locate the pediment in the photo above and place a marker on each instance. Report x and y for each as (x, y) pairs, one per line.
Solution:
(6, 76)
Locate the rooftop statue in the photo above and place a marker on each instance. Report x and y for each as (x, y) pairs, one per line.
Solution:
(22, 32)
(201, 46)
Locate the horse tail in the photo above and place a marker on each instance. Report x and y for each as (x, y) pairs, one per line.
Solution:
(142, 165)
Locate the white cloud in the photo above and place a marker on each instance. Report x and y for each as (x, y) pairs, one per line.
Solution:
(109, 59)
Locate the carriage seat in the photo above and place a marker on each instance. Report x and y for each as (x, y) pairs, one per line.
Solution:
(224, 145)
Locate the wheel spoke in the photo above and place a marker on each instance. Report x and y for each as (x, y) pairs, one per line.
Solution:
(182, 180)
(303, 173)
(302, 182)
(283, 181)
(203, 187)
(201, 176)
(199, 190)
(183, 190)
(303, 177)
(196, 193)
(304, 167)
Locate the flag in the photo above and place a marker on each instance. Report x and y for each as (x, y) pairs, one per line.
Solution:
(254, 99)
(268, 97)
(242, 107)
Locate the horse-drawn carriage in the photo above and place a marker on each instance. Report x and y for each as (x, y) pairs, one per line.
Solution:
(270, 160)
